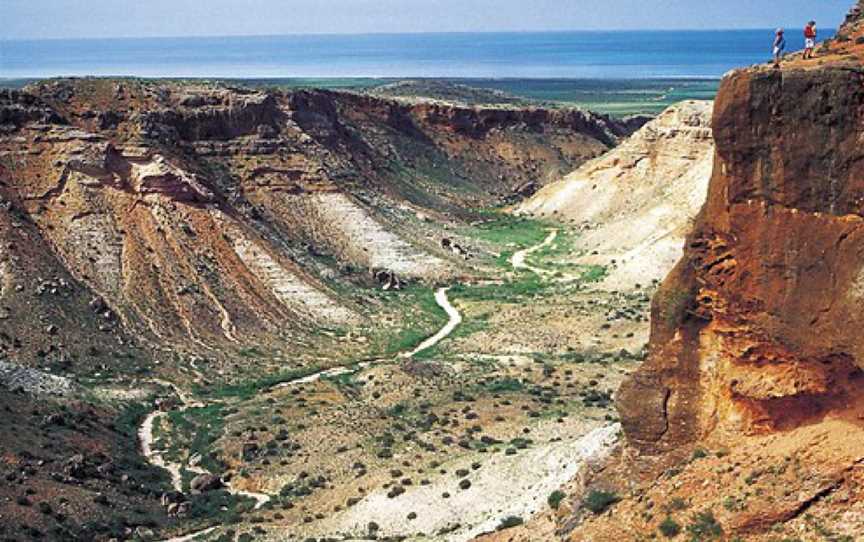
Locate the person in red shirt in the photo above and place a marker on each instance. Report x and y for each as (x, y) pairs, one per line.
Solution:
(809, 39)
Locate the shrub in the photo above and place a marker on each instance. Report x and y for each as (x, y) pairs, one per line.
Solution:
(509, 522)
(704, 527)
(670, 528)
(555, 499)
(599, 501)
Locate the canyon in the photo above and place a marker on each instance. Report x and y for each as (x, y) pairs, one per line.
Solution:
(232, 313)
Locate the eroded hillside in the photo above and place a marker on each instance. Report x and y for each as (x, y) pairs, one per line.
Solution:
(207, 217)
(636, 203)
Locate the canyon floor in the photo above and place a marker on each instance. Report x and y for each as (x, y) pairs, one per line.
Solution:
(442, 443)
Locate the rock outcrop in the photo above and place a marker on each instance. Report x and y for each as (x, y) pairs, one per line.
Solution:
(756, 329)
(745, 422)
(637, 201)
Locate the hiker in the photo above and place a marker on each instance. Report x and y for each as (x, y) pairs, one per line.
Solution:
(779, 46)
(809, 39)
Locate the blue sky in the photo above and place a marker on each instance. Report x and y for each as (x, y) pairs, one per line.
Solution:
(23, 19)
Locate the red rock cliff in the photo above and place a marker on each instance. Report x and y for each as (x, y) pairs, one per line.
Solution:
(758, 327)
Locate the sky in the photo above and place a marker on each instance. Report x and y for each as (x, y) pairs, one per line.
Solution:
(35, 19)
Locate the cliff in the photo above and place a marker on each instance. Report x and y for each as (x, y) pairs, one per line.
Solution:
(769, 286)
(745, 422)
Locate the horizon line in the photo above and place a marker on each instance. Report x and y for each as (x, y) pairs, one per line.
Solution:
(388, 33)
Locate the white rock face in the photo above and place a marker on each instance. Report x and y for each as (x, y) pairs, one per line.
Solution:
(33, 380)
(355, 235)
(287, 285)
(637, 201)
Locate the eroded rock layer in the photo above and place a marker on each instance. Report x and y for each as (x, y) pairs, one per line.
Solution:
(757, 328)
(204, 216)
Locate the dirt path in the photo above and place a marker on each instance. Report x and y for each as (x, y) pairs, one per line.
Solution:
(191, 536)
(157, 458)
(454, 321)
(518, 260)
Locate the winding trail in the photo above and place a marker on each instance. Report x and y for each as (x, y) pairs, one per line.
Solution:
(192, 536)
(444, 332)
(157, 458)
(518, 260)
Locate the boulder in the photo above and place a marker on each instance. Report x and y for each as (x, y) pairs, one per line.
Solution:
(205, 482)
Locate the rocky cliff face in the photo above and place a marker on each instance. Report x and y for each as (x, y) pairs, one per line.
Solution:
(756, 329)
(745, 421)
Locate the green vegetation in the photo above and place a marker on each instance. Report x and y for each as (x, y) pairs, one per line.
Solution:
(220, 505)
(600, 501)
(346, 380)
(616, 97)
(503, 385)
(421, 318)
(248, 389)
(130, 418)
(528, 285)
(504, 229)
(670, 528)
(619, 97)
(593, 273)
(204, 426)
(555, 499)
(704, 526)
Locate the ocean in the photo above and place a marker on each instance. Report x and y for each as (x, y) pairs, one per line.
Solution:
(532, 55)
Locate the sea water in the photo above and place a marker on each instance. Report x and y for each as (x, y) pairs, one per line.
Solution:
(594, 54)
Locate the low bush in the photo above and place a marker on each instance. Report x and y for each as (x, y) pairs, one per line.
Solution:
(555, 499)
(670, 528)
(704, 527)
(600, 501)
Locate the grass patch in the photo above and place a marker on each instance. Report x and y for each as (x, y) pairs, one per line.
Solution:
(505, 229)
(421, 315)
(198, 429)
(248, 389)
(593, 273)
(503, 385)
(528, 285)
